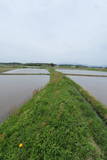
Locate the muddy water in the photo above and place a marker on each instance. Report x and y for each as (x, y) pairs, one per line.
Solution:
(97, 86)
(16, 90)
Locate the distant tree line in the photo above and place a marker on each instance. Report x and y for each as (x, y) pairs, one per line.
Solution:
(81, 66)
(12, 63)
(29, 64)
(40, 64)
(50, 64)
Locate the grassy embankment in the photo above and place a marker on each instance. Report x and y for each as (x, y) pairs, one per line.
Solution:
(58, 123)
(4, 68)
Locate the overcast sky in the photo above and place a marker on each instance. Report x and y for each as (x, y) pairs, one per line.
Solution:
(59, 31)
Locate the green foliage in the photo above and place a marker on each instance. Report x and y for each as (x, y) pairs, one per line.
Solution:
(56, 124)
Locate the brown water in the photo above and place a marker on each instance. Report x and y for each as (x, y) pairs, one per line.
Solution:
(16, 90)
(86, 72)
(97, 86)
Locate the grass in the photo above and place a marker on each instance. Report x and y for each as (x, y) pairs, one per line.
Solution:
(4, 68)
(99, 108)
(58, 123)
(85, 75)
(25, 74)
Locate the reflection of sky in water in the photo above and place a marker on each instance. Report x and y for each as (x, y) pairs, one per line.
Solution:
(15, 90)
(74, 71)
(28, 70)
(97, 86)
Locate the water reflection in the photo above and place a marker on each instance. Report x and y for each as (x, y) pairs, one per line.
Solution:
(86, 72)
(97, 86)
(15, 90)
(28, 70)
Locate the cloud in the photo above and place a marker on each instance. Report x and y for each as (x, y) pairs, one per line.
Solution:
(58, 31)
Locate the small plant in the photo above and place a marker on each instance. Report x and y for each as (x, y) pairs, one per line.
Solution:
(35, 91)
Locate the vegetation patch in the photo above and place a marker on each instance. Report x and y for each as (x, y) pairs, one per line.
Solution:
(100, 109)
(58, 123)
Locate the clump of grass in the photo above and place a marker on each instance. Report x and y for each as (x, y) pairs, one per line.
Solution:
(53, 125)
(35, 91)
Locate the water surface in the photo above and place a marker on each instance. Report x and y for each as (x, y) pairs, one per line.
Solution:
(97, 86)
(28, 71)
(86, 72)
(16, 90)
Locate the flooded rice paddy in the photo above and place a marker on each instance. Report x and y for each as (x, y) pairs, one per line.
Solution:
(96, 86)
(86, 72)
(28, 71)
(16, 90)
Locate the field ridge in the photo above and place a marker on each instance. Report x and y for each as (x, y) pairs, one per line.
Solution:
(56, 124)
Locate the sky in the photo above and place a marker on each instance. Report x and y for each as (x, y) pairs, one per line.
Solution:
(58, 31)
